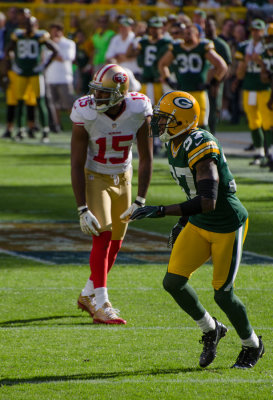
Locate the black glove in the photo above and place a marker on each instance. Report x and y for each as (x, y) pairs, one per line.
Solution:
(148, 212)
(177, 228)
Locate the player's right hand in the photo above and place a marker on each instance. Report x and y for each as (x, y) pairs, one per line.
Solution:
(88, 222)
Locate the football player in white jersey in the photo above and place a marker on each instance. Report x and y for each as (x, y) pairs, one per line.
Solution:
(106, 122)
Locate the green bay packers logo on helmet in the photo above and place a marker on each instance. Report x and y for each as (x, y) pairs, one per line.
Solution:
(183, 102)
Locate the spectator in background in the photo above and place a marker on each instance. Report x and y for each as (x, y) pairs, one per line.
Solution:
(3, 41)
(199, 19)
(59, 77)
(100, 40)
(232, 107)
(227, 31)
(83, 60)
(117, 49)
(215, 92)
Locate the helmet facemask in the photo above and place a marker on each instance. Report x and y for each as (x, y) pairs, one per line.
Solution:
(102, 104)
(162, 129)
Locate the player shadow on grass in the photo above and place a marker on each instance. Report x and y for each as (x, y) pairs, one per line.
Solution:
(106, 375)
(23, 322)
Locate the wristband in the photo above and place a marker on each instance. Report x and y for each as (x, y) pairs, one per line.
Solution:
(140, 201)
(207, 188)
(82, 209)
(191, 207)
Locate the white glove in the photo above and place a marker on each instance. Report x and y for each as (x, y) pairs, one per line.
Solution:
(88, 221)
(139, 202)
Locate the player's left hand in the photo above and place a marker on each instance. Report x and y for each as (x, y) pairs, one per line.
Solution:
(139, 202)
(148, 212)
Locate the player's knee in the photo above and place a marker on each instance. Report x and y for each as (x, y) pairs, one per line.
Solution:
(223, 297)
(173, 282)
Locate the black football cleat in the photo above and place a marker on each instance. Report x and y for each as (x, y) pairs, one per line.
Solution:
(249, 356)
(210, 341)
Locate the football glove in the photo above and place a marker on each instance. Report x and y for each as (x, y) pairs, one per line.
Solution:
(88, 222)
(177, 228)
(139, 202)
(148, 212)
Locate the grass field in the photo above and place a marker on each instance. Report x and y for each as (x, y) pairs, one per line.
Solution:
(50, 350)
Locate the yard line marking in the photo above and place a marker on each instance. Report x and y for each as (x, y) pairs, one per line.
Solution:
(14, 254)
(113, 328)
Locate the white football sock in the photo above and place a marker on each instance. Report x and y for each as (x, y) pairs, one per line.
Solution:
(252, 341)
(88, 290)
(206, 323)
(101, 297)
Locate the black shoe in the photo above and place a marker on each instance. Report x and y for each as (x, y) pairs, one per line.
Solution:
(210, 341)
(20, 135)
(6, 135)
(31, 133)
(249, 356)
(258, 160)
(250, 147)
(45, 136)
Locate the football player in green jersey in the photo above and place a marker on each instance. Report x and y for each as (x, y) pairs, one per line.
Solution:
(191, 59)
(255, 92)
(149, 51)
(216, 228)
(265, 60)
(27, 45)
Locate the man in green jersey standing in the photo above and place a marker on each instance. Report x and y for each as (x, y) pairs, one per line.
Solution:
(216, 228)
(191, 60)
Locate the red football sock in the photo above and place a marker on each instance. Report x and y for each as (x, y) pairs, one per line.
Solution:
(99, 259)
(115, 245)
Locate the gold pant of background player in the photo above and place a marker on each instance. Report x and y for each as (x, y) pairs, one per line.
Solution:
(255, 106)
(108, 196)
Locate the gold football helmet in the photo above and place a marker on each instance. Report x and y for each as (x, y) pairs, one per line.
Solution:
(109, 86)
(176, 113)
(268, 39)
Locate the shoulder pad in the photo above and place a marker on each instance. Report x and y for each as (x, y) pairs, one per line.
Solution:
(17, 33)
(208, 44)
(139, 103)
(81, 110)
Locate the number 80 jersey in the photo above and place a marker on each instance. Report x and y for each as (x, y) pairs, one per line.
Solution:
(229, 213)
(110, 141)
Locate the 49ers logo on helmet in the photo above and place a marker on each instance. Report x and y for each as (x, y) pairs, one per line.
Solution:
(120, 77)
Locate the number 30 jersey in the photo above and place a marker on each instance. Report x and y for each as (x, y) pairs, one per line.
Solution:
(110, 141)
(229, 214)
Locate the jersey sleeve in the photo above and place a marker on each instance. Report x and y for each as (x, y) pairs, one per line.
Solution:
(240, 52)
(81, 112)
(140, 104)
(200, 147)
(44, 36)
(208, 45)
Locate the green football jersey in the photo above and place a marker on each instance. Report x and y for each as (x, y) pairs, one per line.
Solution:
(191, 66)
(268, 61)
(229, 213)
(28, 51)
(148, 57)
(252, 79)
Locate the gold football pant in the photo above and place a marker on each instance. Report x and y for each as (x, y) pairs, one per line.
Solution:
(203, 100)
(29, 95)
(194, 246)
(108, 196)
(255, 106)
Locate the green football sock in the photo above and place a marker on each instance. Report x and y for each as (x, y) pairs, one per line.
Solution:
(184, 295)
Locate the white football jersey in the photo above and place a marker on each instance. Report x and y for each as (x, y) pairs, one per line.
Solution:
(110, 141)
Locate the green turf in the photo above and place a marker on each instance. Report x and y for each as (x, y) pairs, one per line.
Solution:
(51, 350)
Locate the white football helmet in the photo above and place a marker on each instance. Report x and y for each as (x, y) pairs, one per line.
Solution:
(109, 86)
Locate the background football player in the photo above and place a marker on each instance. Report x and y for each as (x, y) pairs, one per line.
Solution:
(105, 125)
(190, 60)
(217, 225)
(27, 66)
